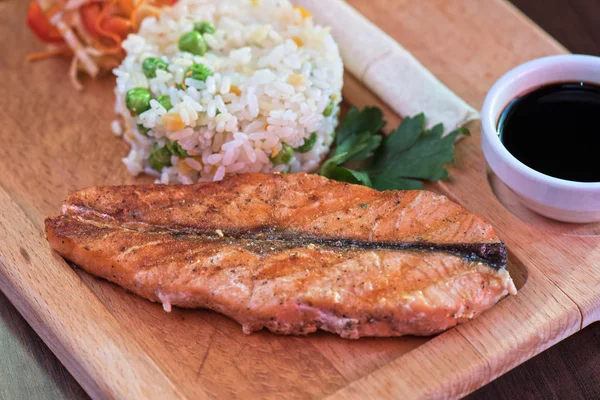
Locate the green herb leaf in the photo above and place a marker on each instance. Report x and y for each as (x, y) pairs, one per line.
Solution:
(383, 182)
(421, 159)
(331, 164)
(357, 137)
(358, 148)
(370, 119)
(401, 160)
(343, 174)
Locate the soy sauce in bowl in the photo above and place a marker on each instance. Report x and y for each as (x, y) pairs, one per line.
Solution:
(555, 130)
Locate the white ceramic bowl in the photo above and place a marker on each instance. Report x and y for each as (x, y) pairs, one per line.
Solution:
(554, 198)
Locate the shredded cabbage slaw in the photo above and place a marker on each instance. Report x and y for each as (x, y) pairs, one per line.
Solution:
(88, 31)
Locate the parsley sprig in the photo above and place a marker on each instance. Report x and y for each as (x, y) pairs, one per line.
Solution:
(402, 160)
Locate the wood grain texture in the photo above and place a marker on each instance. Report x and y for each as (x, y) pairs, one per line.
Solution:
(67, 315)
(196, 353)
(571, 368)
(406, 375)
(200, 348)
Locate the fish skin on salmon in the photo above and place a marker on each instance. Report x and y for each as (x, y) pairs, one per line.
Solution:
(291, 253)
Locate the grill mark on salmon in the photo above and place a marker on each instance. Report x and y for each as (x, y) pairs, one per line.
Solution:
(493, 254)
(435, 266)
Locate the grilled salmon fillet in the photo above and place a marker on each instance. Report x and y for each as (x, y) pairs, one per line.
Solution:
(292, 253)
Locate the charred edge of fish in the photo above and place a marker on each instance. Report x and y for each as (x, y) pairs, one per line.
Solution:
(266, 239)
(492, 254)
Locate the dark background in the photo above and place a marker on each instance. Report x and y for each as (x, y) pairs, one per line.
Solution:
(569, 370)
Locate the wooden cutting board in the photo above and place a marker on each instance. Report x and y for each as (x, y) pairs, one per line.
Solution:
(56, 140)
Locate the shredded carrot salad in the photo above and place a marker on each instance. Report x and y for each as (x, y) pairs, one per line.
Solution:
(89, 31)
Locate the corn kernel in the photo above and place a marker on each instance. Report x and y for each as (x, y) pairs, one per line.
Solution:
(296, 79)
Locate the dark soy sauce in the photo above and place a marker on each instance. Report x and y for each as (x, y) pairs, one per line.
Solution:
(555, 130)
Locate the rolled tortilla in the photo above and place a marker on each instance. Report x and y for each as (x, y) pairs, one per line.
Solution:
(388, 69)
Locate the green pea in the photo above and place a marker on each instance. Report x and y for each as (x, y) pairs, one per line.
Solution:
(151, 64)
(308, 144)
(143, 130)
(193, 42)
(160, 157)
(176, 149)
(329, 109)
(137, 100)
(205, 27)
(284, 156)
(165, 101)
(198, 71)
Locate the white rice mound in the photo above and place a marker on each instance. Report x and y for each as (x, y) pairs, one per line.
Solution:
(286, 68)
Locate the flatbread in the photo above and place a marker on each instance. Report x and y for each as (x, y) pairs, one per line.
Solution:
(388, 69)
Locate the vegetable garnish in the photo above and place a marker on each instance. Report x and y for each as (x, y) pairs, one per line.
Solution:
(329, 109)
(193, 42)
(165, 101)
(91, 31)
(284, 156)
(151, 64)
(205, 27)
(160, 157)
(402, 160)
(308, 144)
(137, 100)
(39, 23)
(198, 71)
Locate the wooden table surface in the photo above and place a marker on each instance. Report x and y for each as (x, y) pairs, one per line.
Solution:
(571, 369)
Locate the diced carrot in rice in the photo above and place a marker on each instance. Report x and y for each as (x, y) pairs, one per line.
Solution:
(303, 11)
(299, 42)
(173, 122)
(248, 92)
(184, 168)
